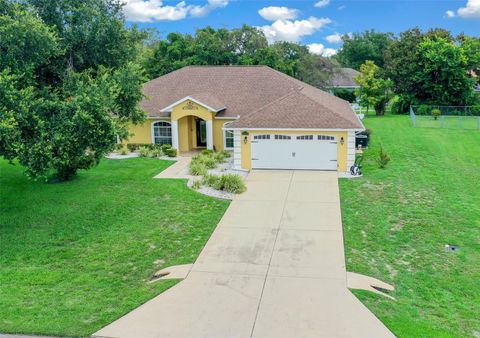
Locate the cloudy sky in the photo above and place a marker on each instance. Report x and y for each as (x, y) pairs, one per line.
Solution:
(318, 24)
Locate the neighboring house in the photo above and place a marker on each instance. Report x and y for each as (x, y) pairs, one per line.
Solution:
(268, 119)
(343, 78)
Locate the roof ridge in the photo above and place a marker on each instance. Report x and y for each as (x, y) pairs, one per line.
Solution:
(331, 110)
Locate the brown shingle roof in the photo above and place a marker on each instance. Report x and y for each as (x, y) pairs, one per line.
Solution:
(344, 77)
(258, 94)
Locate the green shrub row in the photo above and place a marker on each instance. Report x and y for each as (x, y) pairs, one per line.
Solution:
(157, 151)
(232, 183)
(207, 159)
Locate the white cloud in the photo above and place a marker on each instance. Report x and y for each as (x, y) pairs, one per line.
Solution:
(322, 3)
(293, 31)
(316, 48)
(199, 11)
(341, 7)
(274, 13)
(329, 52)
(471, 10)
(450, 14)
(155, 10)
(319, 49)
(334, 38)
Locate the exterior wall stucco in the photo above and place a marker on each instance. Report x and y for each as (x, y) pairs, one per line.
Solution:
(342, 150)
(184, 113)
(141, 133)
(190, 108)
(218, 133)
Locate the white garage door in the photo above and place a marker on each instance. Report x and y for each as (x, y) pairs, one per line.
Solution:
(283, 151)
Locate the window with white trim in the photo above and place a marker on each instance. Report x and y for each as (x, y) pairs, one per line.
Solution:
(162, 132)
(282, 137)
(261, 137)
(227, 137)
(305, 137)
(325, 138)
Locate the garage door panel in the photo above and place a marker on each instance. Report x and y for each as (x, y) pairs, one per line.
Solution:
(298, 152)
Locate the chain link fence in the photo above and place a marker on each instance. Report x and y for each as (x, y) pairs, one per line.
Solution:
(451, 117)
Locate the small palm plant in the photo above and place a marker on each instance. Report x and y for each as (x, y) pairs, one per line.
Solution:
(383, 158)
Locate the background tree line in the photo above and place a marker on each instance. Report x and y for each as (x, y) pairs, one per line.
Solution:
(243, 46)
(417, 67)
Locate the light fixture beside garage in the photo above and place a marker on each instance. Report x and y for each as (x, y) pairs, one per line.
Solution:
(245, 136)
(342, 141)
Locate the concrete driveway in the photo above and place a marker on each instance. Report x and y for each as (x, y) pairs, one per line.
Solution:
(274, 267)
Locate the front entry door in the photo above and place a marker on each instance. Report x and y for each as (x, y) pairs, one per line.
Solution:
(201, 133)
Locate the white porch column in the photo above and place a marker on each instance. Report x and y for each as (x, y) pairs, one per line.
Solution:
(209, 125)
(174, 125)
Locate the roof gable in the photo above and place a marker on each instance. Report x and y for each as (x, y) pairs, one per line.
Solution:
(207, 101)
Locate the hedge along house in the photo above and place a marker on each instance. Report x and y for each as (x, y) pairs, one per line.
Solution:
(268, 119)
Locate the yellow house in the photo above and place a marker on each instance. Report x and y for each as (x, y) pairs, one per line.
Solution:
(267, 119)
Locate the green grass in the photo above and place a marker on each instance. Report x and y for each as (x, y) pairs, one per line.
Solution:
(397, 221)
(75, 256)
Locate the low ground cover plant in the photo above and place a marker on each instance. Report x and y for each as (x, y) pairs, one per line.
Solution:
(232, 183)
(209, 159)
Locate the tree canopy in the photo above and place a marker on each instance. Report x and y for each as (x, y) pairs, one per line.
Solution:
(374, 90)
(432, 67)
(360, 47)
(69, 87)
(243, 46)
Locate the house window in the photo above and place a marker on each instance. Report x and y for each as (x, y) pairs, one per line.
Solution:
(305, 137)
(162, 133)
(282, 137)
(261, 137)
(227, 138)
(325, 138)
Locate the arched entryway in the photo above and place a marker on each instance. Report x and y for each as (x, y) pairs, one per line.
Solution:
(193, 133)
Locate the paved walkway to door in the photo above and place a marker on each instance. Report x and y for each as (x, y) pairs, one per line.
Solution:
(274, 267)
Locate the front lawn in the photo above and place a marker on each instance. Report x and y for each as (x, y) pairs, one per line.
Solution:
(398, 220)
(75, 256)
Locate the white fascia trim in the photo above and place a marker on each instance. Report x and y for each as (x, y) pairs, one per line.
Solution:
(169, 108)
(158, 118)
(225, 139)
(227, 117)
(297, 129)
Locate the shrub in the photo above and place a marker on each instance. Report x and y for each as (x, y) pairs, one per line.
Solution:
(196, 184)
(165, 147)
(124, 151)
(400, 105)
(197, 169)
(144, 152)
(346, 94)
(170, 152)
(233, 183)
(423, 110)
(436, 113)
(213, 181)
(208, 161)
(156, 152)
(221, 156)
(206, 152)
(383, 158)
